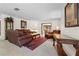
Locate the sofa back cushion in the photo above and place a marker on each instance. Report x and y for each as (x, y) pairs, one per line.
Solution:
(26, 32)
(19, 33)
(23, 31)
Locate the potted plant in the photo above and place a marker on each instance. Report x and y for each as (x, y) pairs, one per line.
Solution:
(9, 19)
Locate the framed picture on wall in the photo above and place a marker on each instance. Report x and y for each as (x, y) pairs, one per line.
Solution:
(72, 15)
(23, 24)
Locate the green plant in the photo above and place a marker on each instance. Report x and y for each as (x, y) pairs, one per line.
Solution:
(9, 19)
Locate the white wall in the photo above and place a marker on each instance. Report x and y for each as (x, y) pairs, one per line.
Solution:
(17, 24)
(55, 14)
(33, 25)
(36, 25)
(71, 31)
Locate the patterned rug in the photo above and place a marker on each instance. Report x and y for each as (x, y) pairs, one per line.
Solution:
(35, 43)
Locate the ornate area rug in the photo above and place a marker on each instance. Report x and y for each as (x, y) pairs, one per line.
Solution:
(35, 43)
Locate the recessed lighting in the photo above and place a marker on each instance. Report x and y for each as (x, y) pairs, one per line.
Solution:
(16, 9)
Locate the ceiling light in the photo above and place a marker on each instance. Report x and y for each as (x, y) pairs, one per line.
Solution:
(16, 9)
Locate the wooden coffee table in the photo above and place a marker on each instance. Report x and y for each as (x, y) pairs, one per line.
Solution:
(35, 35)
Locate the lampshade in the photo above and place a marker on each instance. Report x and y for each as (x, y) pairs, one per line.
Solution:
(57, 28)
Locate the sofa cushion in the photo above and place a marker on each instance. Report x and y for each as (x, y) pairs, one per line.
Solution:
(69, 49)
(19, 32)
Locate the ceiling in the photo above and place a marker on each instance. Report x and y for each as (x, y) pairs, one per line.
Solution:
(33, 11)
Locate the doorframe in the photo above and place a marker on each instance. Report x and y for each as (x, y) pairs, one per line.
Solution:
(42, 26)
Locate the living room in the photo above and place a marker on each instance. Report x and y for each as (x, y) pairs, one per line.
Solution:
(38, 18)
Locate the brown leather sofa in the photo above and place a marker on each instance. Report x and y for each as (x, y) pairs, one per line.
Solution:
(18, 37)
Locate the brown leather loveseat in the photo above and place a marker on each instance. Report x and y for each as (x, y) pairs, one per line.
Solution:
(18, 37)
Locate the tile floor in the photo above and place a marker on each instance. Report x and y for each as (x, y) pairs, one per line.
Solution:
(9, 49)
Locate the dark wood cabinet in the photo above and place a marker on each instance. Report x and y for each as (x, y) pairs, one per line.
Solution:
(8, 25)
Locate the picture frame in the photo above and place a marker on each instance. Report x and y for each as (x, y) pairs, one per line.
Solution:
(72, 15)
(23, 24)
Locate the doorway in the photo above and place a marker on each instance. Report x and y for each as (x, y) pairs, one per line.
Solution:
(45, 27)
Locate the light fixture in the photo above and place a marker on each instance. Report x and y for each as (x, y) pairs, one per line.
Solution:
(16, 9)
(57, 28)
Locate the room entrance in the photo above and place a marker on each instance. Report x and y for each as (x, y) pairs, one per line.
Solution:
(45, 27)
